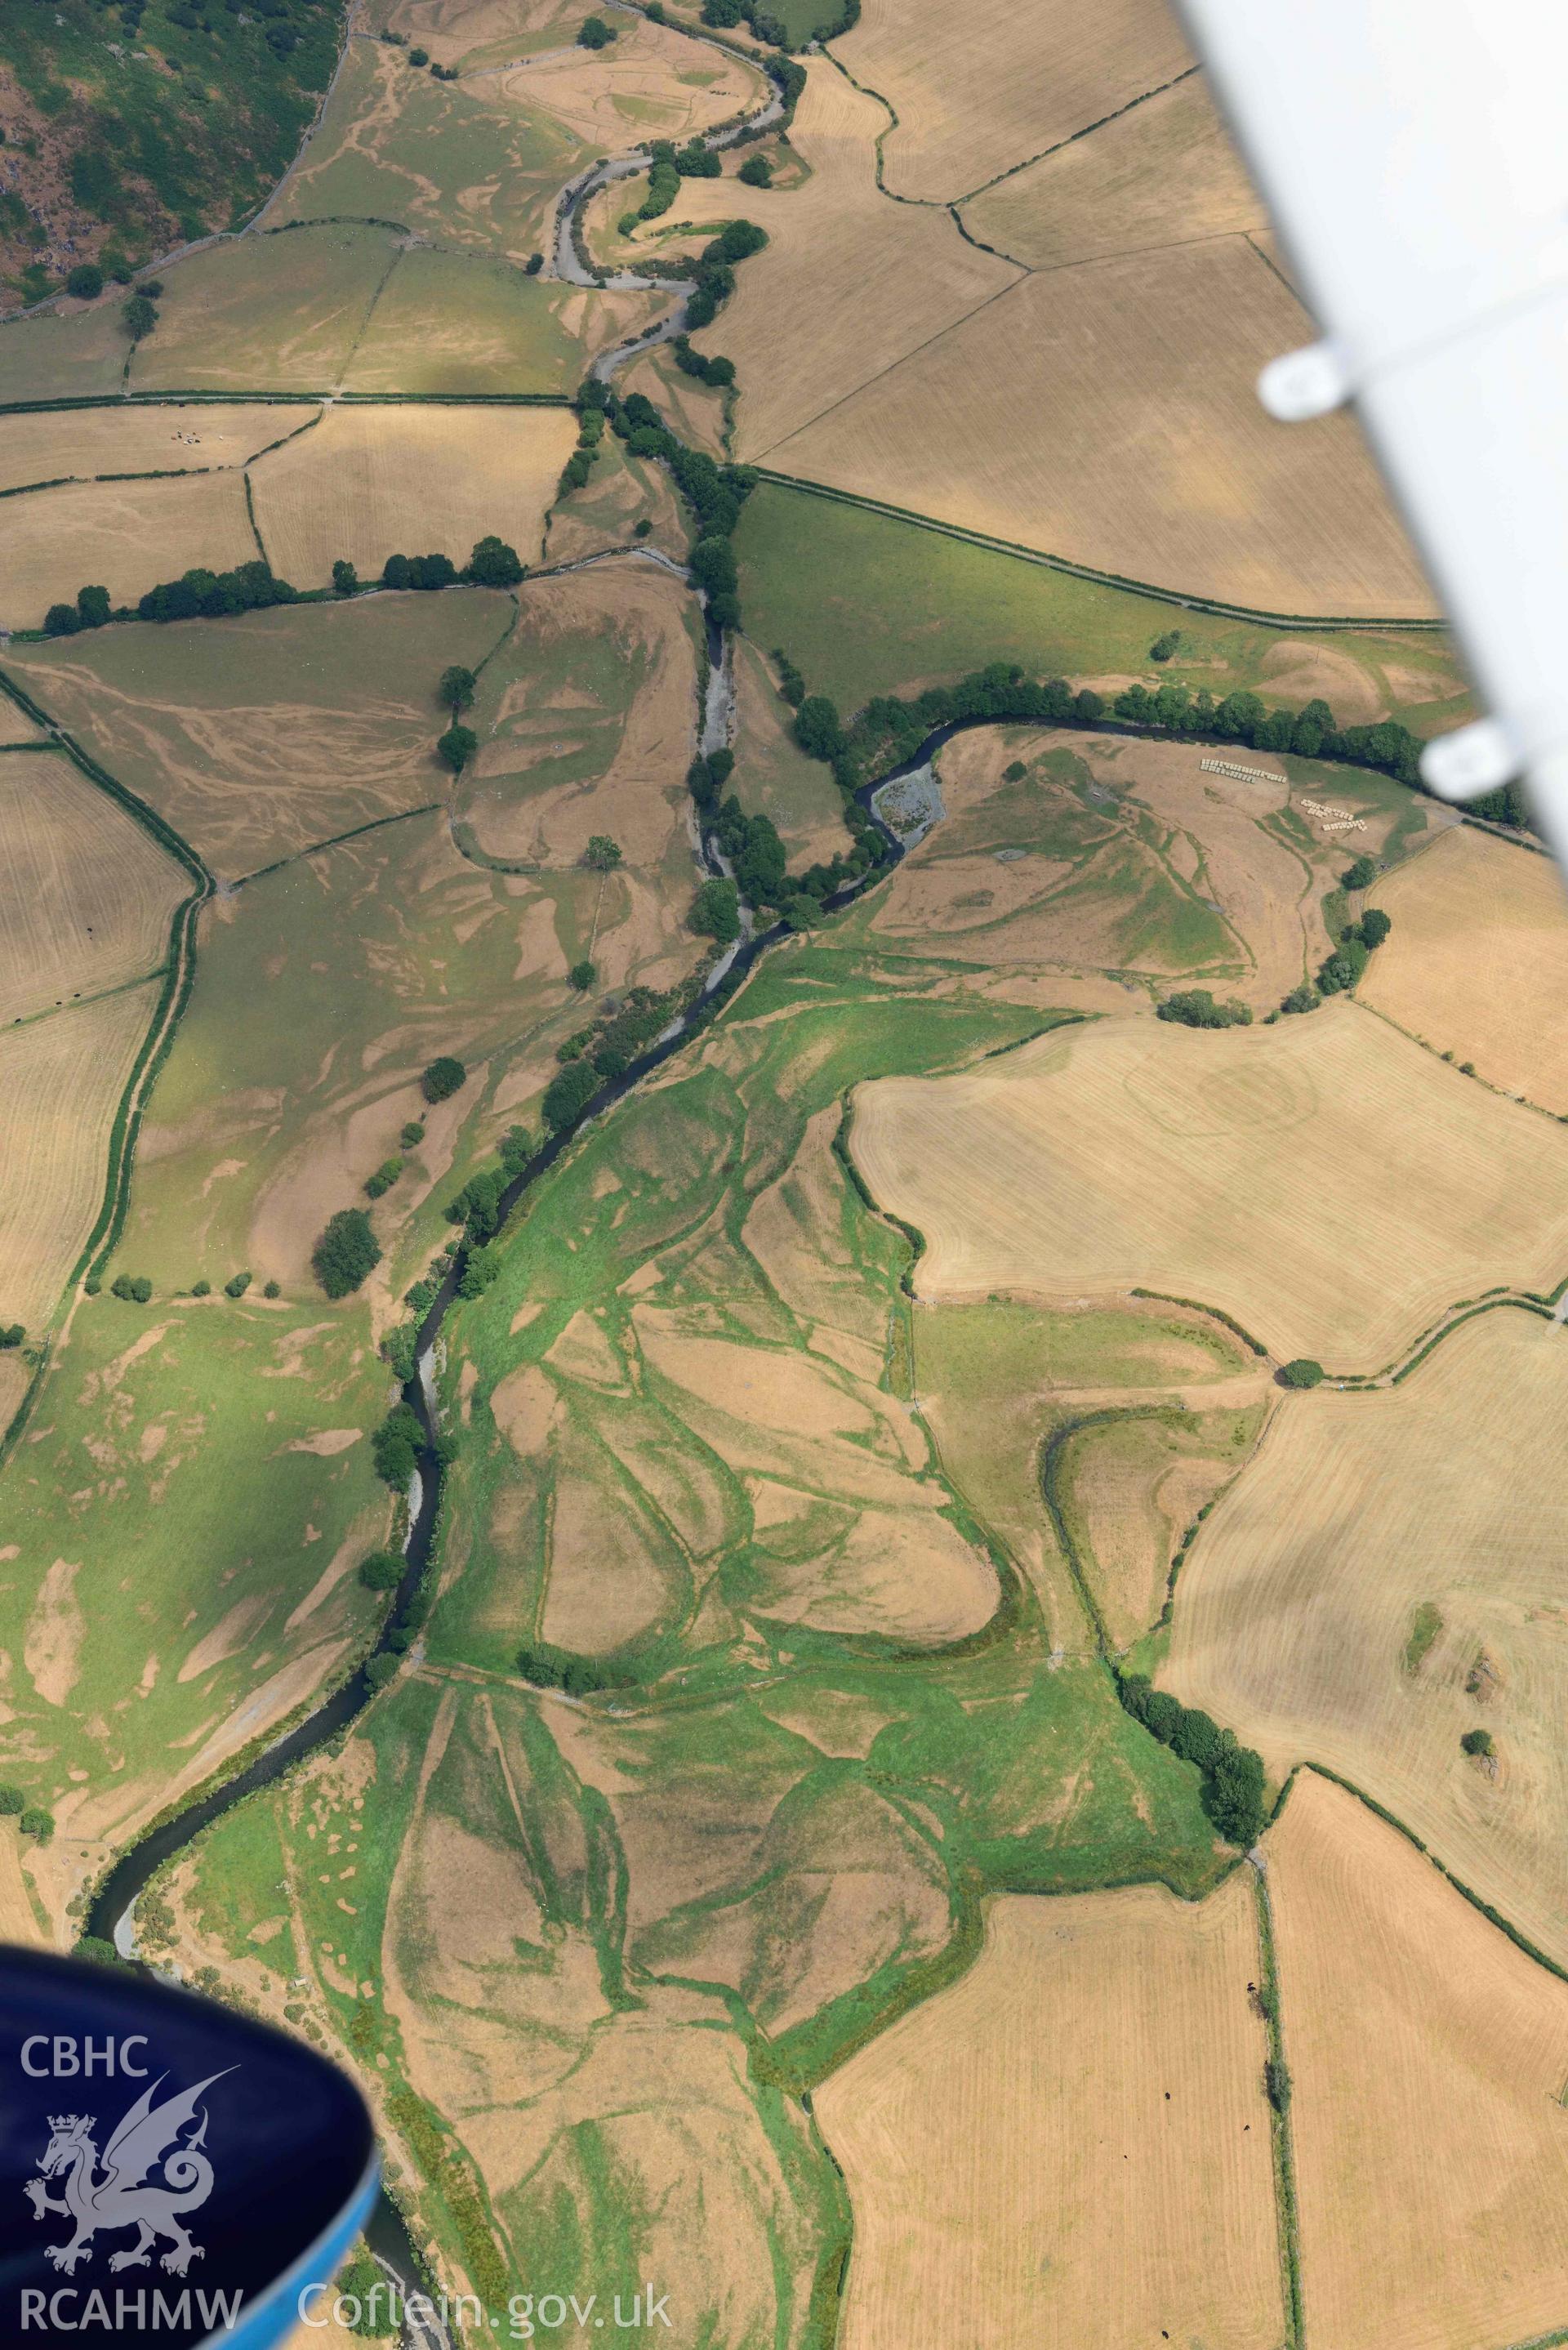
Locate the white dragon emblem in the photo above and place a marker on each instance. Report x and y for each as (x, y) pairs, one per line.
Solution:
(147, 2136)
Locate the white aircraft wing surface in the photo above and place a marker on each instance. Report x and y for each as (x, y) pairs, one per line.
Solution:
(1414, 156)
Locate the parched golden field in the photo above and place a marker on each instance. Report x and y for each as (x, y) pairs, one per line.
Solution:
(258, 735)
(1030, 421)
(122, 535)
(1477, 962)
(86, 895)
(652, 83)
(61, 1078)
(1429, 2058)
(16, 726)
(67, 353)
(273, 313)
(79, 444)
(976, 98)
(373, 481)
(477, 33)
(1127, 857)
(1122, 187)
(849, 283)
(1298, 1605)
(1070, 2147)
(1324, 1181)
(773, 775)
(15, 1375)
(621, 492)
(460, 323)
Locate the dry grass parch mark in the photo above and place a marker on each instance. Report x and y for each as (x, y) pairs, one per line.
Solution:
(61, 1080)
(375, 480)
(460, 323)
(86, 896)
(1029, 421)
(1428, 2057)
(255, 736)
(1477, 961)
(477, 34)
(123, 536)
(1295, 1607)
(1129, 1154)
(979, 98)
(276, 313)
(1069, 2147)
(1162, 172)
(848, 285)
(651, 84)
(81, 444)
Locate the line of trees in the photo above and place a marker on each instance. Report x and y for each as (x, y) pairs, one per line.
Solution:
(1195, 1008)
(197, 594)
(1232, 1774)
(1341, 969)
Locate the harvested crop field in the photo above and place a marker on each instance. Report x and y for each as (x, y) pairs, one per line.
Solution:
(462, 164)
(979, 103)
(1193, 1161)
(1296, 1609)
(122, 535)
(1070, 2147)
(1477, 963)
(265, 313)
(68, 354)
(849, 285)
(373, 481)
(86, 896)
(1122, 186)
(453, 323)
(1029, 422)
(1429, 2057)
(1119, 190)
(257, 735)
(79, 444)
(61, 1080)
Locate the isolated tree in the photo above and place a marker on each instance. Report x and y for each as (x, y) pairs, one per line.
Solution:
(37, 1822)
(345, 577)
(756, 172)
(457, 748)
(533, 266)
(445, 1076)
(1362, 874)
(1374, 927)
(382, 1570)
(12, 1800)
(1166, 647)
(456, 688)
(419, 57)
(139, 316)
(602, 854)
(593, 33)
(581, 976)
(133, 1288)
(1302, 1372)
(61, 620)
(13, 1335)
(86, 281)
(493, 563)
(346, 1253)
(92, 606)
(238, 1286)
(1478, 1741)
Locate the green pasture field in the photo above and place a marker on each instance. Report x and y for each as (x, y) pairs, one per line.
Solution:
(866, 604)
(167, 1456)
(466, 167)
(267, 312)
(51, 356)
(456, 323)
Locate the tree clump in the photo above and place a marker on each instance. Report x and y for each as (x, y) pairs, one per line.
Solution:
(382, 1570)
(395, 1446)
(716, 911)
(133, 1288)
(445, 1076)
(593, 33)
(1301, 1371)
(1232, 1774)
(346, 1253)
(1479, 1743)
(1195, 1007)
(567, 1095)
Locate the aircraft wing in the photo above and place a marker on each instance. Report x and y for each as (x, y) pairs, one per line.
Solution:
(1413, 155)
